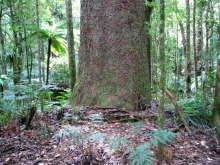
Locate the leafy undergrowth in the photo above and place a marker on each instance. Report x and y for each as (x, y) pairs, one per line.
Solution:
(86, 136)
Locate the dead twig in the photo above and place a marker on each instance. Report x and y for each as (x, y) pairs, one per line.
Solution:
(177, 108)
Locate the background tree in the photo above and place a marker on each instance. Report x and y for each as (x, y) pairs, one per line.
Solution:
(194, 43)
(70, 41)
(39, 42)
(216, 114)
(162, 63)
(188, 59)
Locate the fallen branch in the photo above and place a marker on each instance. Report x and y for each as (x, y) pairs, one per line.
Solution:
(177, 108)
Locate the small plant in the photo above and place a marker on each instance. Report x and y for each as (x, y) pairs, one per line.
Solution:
(76, 111)
(16, 102)
(97, 137)
(79, 139)
(162, 137)
(118, 142)
(75, 133)
(136, 128)
(96, 118)
(197, 113)
(63, 99)
(142, 154)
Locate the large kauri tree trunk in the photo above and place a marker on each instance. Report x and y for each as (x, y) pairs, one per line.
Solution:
(113, 67)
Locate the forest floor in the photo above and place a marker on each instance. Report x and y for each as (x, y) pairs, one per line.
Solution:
(39, 147)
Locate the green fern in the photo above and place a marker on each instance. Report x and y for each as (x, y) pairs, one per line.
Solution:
(75, 133)
(141, 155)
(117, 142)
(136, 128)
(98, 137)
(162, 137)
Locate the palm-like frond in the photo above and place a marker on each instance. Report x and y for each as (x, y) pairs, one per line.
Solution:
(58, 45)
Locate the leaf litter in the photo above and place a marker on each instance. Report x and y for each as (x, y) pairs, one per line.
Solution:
(38, 146)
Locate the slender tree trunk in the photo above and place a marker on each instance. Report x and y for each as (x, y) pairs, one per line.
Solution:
(39, 42)
(113, 66)
(43, 63)
(31, 66)
(148, 13)
(194, 44)
(199, 45)
(18, 51)
(205, 87)
(26, 52)
(183, 54)
(188, 63)
(48, 60)
(161, 118)
(162, 63)
(216, 113)
(2, 42)
(70, 40)
(177, 62)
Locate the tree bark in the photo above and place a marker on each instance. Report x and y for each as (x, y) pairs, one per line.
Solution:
(113, 67)
(216, 113)
(15, 14)
(188, 63)
(39, 42)
(162, 64)
(70, 41)
(43, 58)
(199, 44)
(194, 44)
(2, 42)
(148, 13)
(48, 60)
(207, 29)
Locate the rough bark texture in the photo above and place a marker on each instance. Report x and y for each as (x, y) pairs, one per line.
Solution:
(70, 38)
(113, 67)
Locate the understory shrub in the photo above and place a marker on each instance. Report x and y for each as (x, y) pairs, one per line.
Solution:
(198, 113)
